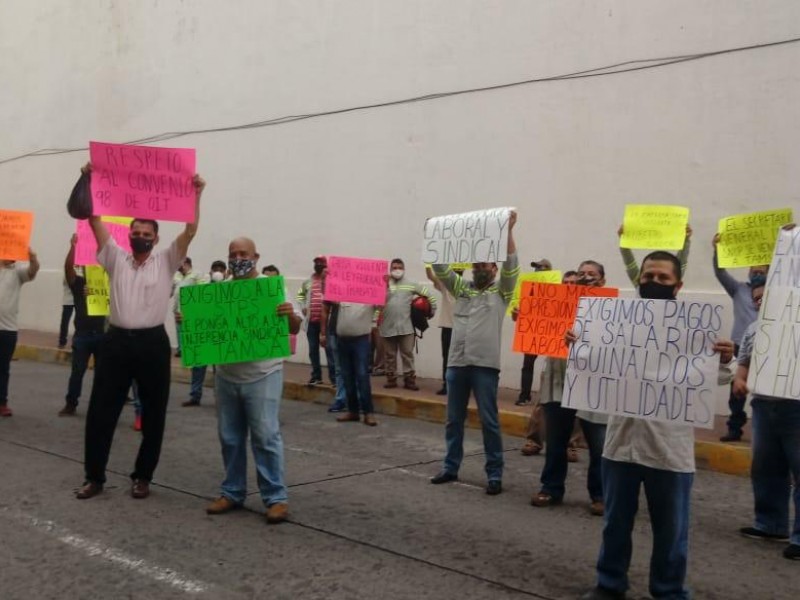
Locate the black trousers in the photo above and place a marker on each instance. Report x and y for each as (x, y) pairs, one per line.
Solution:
(128, 354)
(63, 331)
(8, 342)
(738, 417)
(526, 383)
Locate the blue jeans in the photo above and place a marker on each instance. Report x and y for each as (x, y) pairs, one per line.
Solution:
(482, 381)
(668, 495)
(312, 333)
(84, 345)
(559, 422)
(198, 377)
(254, 406)
(340, 399)
(354, 361)
(776, 461)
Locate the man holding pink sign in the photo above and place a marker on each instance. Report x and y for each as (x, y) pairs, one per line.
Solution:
(136, 347)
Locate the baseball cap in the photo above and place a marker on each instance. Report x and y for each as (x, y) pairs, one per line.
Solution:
(542, 265)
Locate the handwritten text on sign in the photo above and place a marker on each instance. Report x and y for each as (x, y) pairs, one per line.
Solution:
(654, 227)
(86, 248)
(15, 234)
(234, 321)
(98, 298)
(546, 312)
(358, 280)
(647, 359)
(749, 240)
(480, 236)
(147, 182)
(774, 363)
(537, 277)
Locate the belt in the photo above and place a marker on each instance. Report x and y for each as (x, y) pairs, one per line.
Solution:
(135, 332)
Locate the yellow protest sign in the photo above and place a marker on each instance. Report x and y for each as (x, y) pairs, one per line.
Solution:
(654, 227)
(98, 297)
(535, 277)
(749, 239)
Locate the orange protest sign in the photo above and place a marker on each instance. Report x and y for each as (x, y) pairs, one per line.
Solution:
(546, 312)
(15, 234)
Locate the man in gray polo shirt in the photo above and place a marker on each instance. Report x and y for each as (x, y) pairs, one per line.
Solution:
(474, 361)
(136, 346)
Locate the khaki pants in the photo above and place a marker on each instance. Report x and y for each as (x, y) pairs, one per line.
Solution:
(378, 350)
(405, 344)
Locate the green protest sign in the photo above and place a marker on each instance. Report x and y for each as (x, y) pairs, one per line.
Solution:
(234, 321)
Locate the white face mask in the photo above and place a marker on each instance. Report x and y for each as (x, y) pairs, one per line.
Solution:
(217, 276)
(397, 273)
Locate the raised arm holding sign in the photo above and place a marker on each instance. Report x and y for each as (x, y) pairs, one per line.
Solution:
(474, 237)
(655, 227)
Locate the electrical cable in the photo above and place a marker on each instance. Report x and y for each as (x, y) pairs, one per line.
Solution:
(614, 69)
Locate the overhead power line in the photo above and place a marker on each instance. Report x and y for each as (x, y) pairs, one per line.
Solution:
(615, 69)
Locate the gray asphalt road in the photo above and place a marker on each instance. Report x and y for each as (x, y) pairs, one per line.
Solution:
(365, 521)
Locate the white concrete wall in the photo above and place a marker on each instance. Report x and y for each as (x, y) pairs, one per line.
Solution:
(719, 135)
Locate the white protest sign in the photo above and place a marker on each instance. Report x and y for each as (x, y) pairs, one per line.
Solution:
(774, 362)
(647, 359)
(479, 236)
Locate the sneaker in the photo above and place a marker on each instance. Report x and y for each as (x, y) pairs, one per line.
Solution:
(62, 346)
(277, 513)
(731, 436)
(336, 408)
(137, 423)
(5, 411)
(522, 401)
(757, 534)
(314, 381)
(390, 385)
(67, 411)
(442, 392)
(792, 552)
(191, 403)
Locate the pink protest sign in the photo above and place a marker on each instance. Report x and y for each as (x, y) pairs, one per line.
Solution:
(86, 248)
(357, 280)
(143, 181)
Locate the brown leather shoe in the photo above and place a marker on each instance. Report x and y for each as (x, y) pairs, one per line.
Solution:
(572, 455)
(277, 513)
(90, 489)
(348, 416)
(597, 508)
(370, 420)
(140, 489)
(221, 505)
(531, 448)
(390, 384)
(67, 411)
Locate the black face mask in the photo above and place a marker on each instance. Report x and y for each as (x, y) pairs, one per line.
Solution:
(141, 245)
(587, 281)
(657, 291)
(318, 269)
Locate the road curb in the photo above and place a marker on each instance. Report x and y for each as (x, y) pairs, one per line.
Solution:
(732, 459)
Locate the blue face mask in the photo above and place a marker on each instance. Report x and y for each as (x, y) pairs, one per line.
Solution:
(757, 280)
